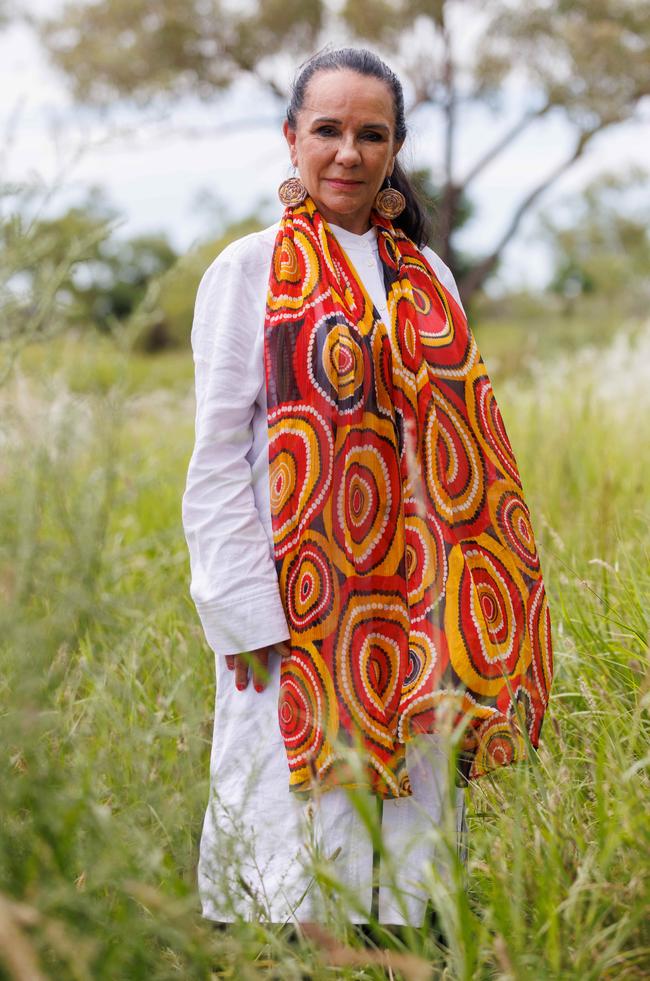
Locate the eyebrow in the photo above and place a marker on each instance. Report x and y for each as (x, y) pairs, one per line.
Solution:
(330, 119)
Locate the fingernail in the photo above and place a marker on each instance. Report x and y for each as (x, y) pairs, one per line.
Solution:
(240, 686)
(258, 687)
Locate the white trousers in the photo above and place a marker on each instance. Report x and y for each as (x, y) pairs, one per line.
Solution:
(261, 846)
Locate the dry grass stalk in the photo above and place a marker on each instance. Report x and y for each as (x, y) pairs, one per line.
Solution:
(337, 954)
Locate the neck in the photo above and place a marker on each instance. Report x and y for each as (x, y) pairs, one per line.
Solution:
(357, 224)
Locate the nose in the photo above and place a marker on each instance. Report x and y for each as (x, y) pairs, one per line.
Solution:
(347, 153)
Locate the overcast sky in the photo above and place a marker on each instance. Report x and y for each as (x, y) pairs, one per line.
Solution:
(154, 173)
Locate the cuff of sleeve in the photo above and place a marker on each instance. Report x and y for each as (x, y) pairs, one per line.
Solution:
(244, 626)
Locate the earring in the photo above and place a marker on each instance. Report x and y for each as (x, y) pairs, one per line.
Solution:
(390, 202)
(292, 191)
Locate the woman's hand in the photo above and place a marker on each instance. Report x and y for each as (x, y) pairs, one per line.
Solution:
(258, 662)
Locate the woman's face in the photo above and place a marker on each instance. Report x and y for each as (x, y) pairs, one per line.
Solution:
(344, 144)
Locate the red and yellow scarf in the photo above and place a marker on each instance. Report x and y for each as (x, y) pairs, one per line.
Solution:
(404, 550)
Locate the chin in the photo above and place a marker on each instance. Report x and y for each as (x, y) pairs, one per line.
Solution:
(341, 210)
(342, 206)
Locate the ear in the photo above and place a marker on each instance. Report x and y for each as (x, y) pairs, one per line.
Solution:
(290, 137)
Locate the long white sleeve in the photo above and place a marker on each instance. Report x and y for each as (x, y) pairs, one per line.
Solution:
(233, 578)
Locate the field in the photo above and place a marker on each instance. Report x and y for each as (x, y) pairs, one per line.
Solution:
(106, 685)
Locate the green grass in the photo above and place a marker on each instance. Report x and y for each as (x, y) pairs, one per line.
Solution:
(106, 686)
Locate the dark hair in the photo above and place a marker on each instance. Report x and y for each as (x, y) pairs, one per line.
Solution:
(414, 220)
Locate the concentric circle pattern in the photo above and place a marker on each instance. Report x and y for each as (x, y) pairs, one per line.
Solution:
(511, 521)
(454, 467)
(384, 389)
(448, 347)
(426, 564)
(300, 470)
(418, 685)
(404, 550)
(366, 504)
(338, 367)
(499, 744)
(307, 712)
(295, 273)
(488, 423)
(370, 658)
(286, 265)
(485, 615)
(310, 585)
(539, 628)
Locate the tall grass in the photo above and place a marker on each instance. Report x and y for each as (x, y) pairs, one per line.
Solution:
(106, 692)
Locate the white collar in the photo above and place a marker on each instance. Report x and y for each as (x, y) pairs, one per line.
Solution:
(350, 240)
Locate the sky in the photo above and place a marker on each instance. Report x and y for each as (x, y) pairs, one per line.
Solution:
(160, 177)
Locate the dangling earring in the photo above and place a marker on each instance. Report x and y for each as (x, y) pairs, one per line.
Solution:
(390, 202)
(292, 191)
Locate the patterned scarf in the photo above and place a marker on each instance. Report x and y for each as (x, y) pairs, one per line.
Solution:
(404, 550)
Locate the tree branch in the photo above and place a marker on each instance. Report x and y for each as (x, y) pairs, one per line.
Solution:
(449, 108)
(450, 193)
(476, 276)
(271, 84)
(508, 137)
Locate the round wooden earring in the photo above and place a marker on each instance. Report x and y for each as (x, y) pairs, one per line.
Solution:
(292, 191)
(390, 202)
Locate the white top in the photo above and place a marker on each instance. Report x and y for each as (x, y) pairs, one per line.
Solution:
(226, 506)
(257, 837)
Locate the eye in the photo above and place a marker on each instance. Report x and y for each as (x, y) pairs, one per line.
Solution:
(373, 136)
(326, 131)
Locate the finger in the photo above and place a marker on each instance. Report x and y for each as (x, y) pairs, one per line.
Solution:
(230, 662)
(283, 648)
(260, 665)
(241, 673)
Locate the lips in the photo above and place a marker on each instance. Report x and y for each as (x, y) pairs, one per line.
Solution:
(343, 185)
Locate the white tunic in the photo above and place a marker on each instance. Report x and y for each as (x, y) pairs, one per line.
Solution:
(258, 839)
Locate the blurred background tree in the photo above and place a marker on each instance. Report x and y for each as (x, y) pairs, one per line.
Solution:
(38, 259)
(585, 61)
(164, 317)
(96, 277)
(600, 242)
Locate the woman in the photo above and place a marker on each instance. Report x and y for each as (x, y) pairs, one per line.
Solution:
(362, 558)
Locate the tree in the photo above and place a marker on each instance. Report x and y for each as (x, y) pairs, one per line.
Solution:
(163, 319)
(601, 243)
(585, 60)
(111, 286)
(432, 196)
(141, 48)
(96, 278)
(37, 263)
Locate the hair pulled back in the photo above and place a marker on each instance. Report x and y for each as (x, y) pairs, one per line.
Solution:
(414, 220)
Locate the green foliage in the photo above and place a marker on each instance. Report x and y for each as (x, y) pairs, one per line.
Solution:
(36, 268)
(109, 282)
(601, 243)
(164, 318)
(74, 271)
(74, 265)
(106, 689)
(144, 48)
(589, 58)
(120, 276)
